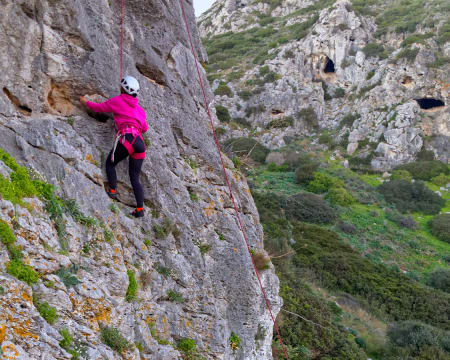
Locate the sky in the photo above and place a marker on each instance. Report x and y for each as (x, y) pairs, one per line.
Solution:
(201, 6)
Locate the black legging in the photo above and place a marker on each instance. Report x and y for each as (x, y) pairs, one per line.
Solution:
(135, 166)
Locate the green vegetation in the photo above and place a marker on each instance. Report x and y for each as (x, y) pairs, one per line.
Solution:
(305, 168)
(408, 54)
(111, 337)
(73, 347)
(323, 182)
(222, 114)
(193, 195)
(188, 347)
(309, 116)
(166, 228)
(440, 279)
(348, 120)
(401, 175)
(281, 123)
(22, 272)
(223, 90)
(412, 197)
(375, 50)
(426, 170)
(340, 196)
(235, 341)
(164, 271)
(440, 227)
(48, 312)
(247, 147)
(416, 39)
(132, 289)
(175, 296)
(67, 276)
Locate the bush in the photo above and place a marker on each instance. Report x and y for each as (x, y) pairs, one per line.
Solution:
(440, 227)
(348, 120)
(67, 343)
(374, 50)
(440, 279)
(222, 114)
(281, 123)
(425, 170)
(425, 155)
(262, 260)
(6, 235)
(339, 93)
(245, 95)
(223, 90)
(48, 312)
(408, 54)
(412, 197)
(132, 286)
(235, 341)
(340, 196)
(175, 296)
(243, 146)
(309, 116)
(187, 346)
(402, 221)
(441, 180)
(309, 208)
(414, 334)
(347, 228)
(323, 182)
(242, 122)
(111, 337)
(401, 175)
(22, 272)
(305, 166)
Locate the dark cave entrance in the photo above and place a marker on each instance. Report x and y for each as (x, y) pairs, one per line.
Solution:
(427, 104)
(329, 66)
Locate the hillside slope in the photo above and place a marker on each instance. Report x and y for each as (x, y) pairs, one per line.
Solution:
(176, 284)
(373, 74)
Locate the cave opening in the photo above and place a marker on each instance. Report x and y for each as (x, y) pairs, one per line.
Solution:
(329, 66)
(428, 103)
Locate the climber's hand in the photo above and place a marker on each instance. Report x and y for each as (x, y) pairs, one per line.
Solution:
(83, 100)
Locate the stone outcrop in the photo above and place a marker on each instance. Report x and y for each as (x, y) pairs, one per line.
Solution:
(52, 53)
(328, 71)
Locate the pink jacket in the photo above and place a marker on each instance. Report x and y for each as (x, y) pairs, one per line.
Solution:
(126, 112)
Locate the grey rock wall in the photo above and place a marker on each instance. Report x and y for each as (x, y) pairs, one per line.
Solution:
(51, 53)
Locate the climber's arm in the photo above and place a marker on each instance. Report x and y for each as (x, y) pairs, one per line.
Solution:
(102, 107)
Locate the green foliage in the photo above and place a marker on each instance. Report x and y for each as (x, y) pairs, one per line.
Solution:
(323, 182)
(175, 296)
(309, 208)
(440, 279)
(234, 341)
(327, 139)
(416, 38)
(222, 114)
(114, 208)
(401, 175)
(425, 170)
(245, 95)
(440, 61)
(281, 123)
(220, 131)
(339, 93)
(416, 336)
(164, 271)
(408, 54)
(254, 110)
(348, 120)
(22, 272)
(187, 346)
(305, 166)
(148, 243)
(72, 347)
(440, 227)
(425, 155)
(48, 312)
(374, 50)
(243, 146)
(132, 289)
(242, 122)
(146, 141)
(111, 337)
(166, 228)
(444, 33)
(223, 90)
(274, 168)
(370, 74)
(67, 277)
(402, 221)
(326, 94)
(71, 208)
(412, 197)
(441, 180)
(309, 116)
(221, 236)
(193, 195)
(6, 235)
(385, 291)
(340, 196)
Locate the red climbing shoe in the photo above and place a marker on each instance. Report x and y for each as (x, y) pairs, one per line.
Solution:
(138, 213)
(112, 193)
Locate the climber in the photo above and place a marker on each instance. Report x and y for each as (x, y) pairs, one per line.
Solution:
(130, 122)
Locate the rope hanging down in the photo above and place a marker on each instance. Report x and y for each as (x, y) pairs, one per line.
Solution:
(228, 181)
(122, 18)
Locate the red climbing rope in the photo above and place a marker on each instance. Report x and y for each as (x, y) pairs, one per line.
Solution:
(122, 18)
(228, 182)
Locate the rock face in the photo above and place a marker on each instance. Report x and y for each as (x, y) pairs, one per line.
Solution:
(188, 245)
(325, 69)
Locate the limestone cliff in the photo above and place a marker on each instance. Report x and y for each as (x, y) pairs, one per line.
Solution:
(374, 75)
(192, 268)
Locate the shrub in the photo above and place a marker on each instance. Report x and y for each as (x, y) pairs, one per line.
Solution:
(67, 277)
(68, 344)
(244, 123)
(441, 180)
(413, 334)
(408, 54)
(339, 93)
(111, 337)
(425, 170)
(223, 90)
(347, 228)
(164, 271)
(243, 146)
(401, 175)
(440, 227)
(370, 74)
(402, 221)
(374, 50)
(309, 116)
(186, 346)
(348, 120)
(220, 131)
(306, 166)
(132, 286)
(340, 196)
(408, 196)
(6, 235)
(22, 272)
(254, 110)
(166, 227)
(262, 260)
(309, 208)
(175, 296)
(281, 123)
(48, 312)
(235, 341)
(245, 95)
(323, 182)
(222, 114)
(440, 279)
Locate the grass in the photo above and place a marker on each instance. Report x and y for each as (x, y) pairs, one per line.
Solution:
(22, 272)
(111, 337)
(164, 271)
(73, 347)
(175, 296)
(131, 294)
(48, 312)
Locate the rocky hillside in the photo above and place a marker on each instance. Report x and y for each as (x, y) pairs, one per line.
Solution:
(372, 76)
(78, 278)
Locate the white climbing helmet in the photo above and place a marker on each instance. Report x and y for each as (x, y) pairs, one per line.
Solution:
(130, 85)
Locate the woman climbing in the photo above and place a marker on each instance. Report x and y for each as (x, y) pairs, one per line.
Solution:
(130, 122)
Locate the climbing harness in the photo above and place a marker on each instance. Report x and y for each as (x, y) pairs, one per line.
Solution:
(121, 137)
(228, 181)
